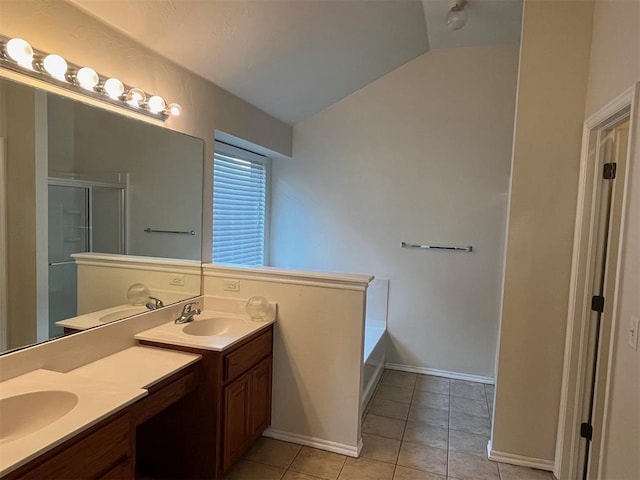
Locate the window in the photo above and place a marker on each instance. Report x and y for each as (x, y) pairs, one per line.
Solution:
(240, 210)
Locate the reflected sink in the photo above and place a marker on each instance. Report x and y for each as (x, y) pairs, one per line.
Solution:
(28, 412)
(120, 314)
(207, 327)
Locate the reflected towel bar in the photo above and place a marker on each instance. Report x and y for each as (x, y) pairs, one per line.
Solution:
(437, 247)
(67, 262)
(178, 232)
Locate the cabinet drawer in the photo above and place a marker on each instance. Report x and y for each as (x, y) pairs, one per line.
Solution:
(242, 359)
(94, 456)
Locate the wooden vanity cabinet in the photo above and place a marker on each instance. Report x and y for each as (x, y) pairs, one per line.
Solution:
(103, 452)
(225, 415)
(107, 451)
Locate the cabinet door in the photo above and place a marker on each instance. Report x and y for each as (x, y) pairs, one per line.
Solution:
(261, 397)
(237, 419)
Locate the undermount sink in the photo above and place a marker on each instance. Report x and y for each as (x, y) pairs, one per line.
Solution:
(29, 412)
(207, 327)
(120, 314)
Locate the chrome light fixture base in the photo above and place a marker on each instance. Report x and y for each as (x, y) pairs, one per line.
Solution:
(37, 67)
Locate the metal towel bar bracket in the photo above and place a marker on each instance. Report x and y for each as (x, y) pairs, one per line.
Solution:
(438, 247)
(178, 232)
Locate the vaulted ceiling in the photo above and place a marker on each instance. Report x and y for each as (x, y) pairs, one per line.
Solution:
(293, 58)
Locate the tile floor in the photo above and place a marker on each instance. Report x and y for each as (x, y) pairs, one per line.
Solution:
(417, 427)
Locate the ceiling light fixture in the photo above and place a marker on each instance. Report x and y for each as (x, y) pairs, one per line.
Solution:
(56, 66)
(87, 78)
(456, 16)
(17, 55)
(20, 52)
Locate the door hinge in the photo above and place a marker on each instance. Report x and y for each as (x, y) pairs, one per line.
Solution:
(609, 172)
(586, 431)
(597, 303)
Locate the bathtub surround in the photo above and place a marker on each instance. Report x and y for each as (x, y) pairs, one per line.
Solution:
(375, 337)
(318, 350)
(420, 155)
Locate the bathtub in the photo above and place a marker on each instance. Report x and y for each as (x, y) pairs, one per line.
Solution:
(375, 329)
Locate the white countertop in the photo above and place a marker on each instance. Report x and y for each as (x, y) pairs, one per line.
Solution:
(93, 319)
(102, 388)
(139, 367)
(96, 400)
(239, 328)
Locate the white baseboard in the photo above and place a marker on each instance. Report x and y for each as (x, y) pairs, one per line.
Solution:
(512, 459)
(440, 373)
(320, 443)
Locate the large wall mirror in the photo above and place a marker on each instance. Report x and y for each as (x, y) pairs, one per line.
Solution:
(100, 215)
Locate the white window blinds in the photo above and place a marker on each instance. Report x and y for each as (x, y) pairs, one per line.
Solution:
(239, 210)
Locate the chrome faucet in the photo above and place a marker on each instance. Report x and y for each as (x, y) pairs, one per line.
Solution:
(188, 312)
(154, 303)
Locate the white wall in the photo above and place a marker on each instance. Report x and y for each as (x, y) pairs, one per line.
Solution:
(165, 178)
(420, 155)
(317, 356)
(103, 280)
(554, 62)
(615, 65)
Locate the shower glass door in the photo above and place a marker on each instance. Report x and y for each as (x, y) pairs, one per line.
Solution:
(68, 234)
(85, 215)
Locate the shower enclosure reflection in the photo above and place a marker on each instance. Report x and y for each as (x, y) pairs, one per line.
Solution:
(85, 215)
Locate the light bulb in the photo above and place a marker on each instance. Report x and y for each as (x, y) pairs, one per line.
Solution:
(174, 110)
(20, 51)
(56, 66)
(456, 17)
(135, 97)
(87, 78)
(113, 88)
(156, 104)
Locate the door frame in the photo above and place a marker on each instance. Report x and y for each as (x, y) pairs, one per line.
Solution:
(581, 289)
(4, 342)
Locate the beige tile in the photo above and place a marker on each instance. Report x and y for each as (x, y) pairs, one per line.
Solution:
(432, 416)
(428, 383)
(472, 390)
(297, 476)
(389, 408)
(273, 452)
(465, 466)
(380, 448)
(471, 407)
(513, 472)
(248, 470)
(431, 400)
(404, 473)
(383, 426)
(421, 457)
(397, 378)
(318, 463)
(424, 434)
(466, 442)
(366, 469)
(396, 394)
(469, 423)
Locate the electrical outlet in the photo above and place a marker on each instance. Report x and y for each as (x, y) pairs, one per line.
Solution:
(633, 333)
(176, 279)
(231, 285)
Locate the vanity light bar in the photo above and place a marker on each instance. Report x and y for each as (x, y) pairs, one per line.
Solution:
(19, 56)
